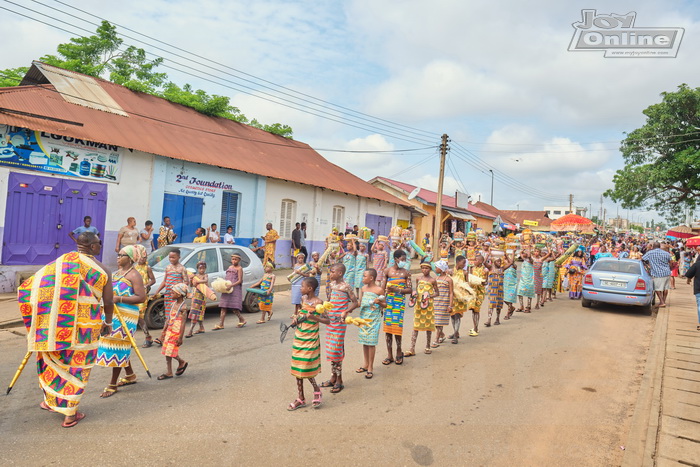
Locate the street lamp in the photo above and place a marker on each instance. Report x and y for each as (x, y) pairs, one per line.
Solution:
(491, 186)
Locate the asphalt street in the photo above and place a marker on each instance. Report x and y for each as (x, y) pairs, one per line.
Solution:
(555, 387)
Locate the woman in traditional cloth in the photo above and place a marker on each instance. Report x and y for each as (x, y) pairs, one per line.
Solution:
(306, 348)
(526, 285)
(267, 285)
(442, 302)
(423, 315)
(371, 305)
(66, 348)
(495, 289)
(510, 286)
(575, 268)
(380, 258)
(114, 349)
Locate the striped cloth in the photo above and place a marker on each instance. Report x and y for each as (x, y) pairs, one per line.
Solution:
(496, 281)
(360, 267)
(198, 306)
(441, 303)
(395, 307)
(173, 330)
(350, 261)
(369, 335)
(537, 266)
(479, 271)
(526, 286)
(335, 331)
(265, 301)
(114, 350)
(510, 285)
(549, 271)
(306, 347)
(423, 317)
(171, 278)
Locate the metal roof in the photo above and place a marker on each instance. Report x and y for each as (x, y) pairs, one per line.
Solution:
(157, 126)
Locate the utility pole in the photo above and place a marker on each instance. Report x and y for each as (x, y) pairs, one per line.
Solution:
(601, 209)
(571, 204)
(491, 186)
(438, 205)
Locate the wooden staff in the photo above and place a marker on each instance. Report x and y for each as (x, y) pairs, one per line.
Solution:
(19, 372)
(131, 339)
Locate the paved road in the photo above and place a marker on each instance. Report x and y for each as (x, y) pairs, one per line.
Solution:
(555, 387)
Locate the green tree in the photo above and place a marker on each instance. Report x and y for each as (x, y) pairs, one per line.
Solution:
(102, 55)
(662, 158)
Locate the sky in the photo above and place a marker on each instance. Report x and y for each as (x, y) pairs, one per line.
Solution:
(496, 77)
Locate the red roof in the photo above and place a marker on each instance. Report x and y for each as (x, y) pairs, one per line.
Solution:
(495, 212)
(157, 126)
(521, 216)
(430, 197)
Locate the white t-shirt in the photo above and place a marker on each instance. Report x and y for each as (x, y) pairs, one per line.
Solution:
(147, 243)
(214, 237)
(228, 239)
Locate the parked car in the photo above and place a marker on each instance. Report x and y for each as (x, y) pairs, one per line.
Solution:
(619, 282)
(218, 259)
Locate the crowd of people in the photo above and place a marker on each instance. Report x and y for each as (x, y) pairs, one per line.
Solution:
(469, 271)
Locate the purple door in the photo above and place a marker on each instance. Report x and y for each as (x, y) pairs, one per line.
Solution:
(380, 224)
(41, 211)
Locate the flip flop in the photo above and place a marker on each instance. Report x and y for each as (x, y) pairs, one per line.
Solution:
(434, 345)
(473, 333)
(147, 344)
(369, 375)
(442, 339)
(180, 371)
(164, 376)
(240, 325)
(336, 389)
(217, 328)
(187, 336)
(455, 341)
(158, 342)
(260, 322)
(409, 354)
(399, 360)
(361, 370)
(43, 406)
(327, 384)
(387, 361)
(428, 351)
(77, 417)
(199, 331)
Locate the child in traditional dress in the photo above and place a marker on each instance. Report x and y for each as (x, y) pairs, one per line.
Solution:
(175, 273)
(266, 284)
(174, 331)
(459, 303)
(510, 285)
(199, 301)
(316, 265)
(423, 317)
(481, 272)
(344, 301)
(380, 259)
(371, 304)
(396, 287)
(360, 267)
(442, 302)
(495, 288)
(232, 300)
(306, 349)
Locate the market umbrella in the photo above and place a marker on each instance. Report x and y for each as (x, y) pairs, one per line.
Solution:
(693, 241)
(572, 223)
(681, 231)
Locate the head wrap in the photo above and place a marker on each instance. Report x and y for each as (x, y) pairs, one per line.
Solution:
(180, 289)
(201, 263)
(269, 263)
(130, 251)
(314, 253)
(139, 252)
(441, 265)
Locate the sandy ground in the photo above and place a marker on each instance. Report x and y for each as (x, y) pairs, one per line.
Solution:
(555, 387)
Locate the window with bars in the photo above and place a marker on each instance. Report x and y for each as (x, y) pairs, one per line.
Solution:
(287, 216)
(229, 212)
(339, 218)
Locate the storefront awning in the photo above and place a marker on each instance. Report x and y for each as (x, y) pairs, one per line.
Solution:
(460, 215)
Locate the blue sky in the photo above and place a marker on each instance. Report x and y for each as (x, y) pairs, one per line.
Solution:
(495, 76)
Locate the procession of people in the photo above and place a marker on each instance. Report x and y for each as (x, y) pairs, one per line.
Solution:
(75, 319)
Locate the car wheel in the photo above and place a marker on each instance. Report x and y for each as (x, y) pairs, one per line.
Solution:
(155, 314)
(586, 303)
(251, 303)
(648, 309)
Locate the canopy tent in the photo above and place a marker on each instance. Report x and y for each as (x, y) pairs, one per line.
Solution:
(681, 231)
(693, 241)
(572, 223)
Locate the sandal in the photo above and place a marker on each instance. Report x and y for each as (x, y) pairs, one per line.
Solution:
(269, 317)
(127, 381)
(199, 331)
(188, 335)
(147, 343)
(442, 339)
(399, 360)
(108, 391)
(164, 376)
(488, 325)
(76, 418)
(44, 406)
(361, 370)
(369, 375)
(217, 327)
(261, 322)
(519, 310)
(527, 310)
(473, 333)
(240, 325)
(158, 342)
(428, 351)
(434, 345)
(316, 403)
(409, 354)
(455, 341)
(337, 388)
(387, 361)
(181, 370)
(297, 404)
(327, 384)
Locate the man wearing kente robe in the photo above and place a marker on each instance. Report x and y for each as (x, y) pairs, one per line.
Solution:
(61, 308)
(270, 238)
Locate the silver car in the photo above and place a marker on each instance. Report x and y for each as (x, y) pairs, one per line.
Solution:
(618, 282)
(218, 259)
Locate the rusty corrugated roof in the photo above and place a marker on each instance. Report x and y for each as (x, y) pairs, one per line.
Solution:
(157, 126)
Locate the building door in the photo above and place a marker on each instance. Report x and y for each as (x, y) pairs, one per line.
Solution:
(380, 224)
(185, 214)
(42, 211)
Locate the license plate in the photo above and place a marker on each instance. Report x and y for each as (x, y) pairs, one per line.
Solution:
(614, 284)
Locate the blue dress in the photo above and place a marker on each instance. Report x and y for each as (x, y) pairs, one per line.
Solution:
(369, 335)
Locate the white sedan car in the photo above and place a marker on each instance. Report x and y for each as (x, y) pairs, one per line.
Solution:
(218, 259)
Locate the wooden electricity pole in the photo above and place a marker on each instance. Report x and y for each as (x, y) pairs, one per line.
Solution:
(438, 205)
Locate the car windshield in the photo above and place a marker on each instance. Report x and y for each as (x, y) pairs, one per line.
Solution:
(158, 260)
(617, 266)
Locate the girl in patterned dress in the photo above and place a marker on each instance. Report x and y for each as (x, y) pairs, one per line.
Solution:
(267, 283)
(371, 305)
(510, 285)
(459, 305)
(495, 290)
(442, 302)
(526, 284)
(114, 349)
(380, 258)
(232, 300)
(360, 266)
(549, 270)
(537, 262)
(344, 301)
(423, 316)
(349, 260)
(199, 301)
(306, 348)
(316, 265)
(175, 273)
(174, 331)
(480, 271)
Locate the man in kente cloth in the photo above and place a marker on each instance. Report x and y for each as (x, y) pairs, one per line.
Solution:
(270, 239)
(397, 286)
(60, 305)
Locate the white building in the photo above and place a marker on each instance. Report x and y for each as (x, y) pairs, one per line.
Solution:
(555, 212)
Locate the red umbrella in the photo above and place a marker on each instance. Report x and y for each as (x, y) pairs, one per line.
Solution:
(572, 222)
(681, 231)
(693, 241)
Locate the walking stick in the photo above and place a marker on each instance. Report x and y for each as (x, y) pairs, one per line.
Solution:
(19, 372)
(131, 339)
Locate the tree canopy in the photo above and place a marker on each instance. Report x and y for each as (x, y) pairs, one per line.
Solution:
(662, 158)
(102, 55)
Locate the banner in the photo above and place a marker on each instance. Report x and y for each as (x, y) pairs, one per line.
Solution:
(27, 149)
(531, 223)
